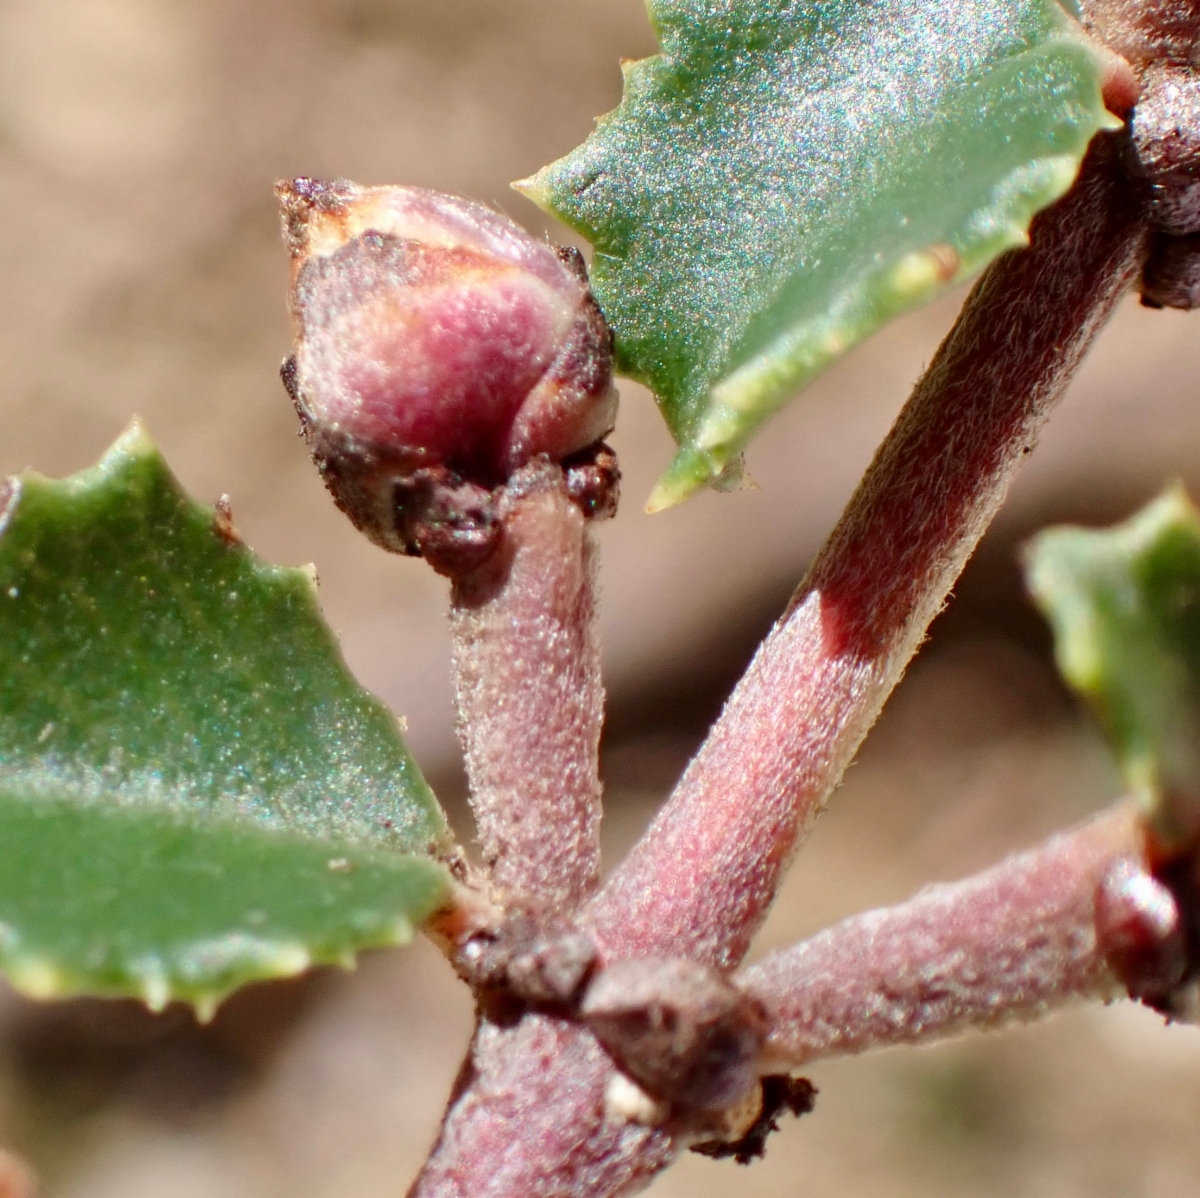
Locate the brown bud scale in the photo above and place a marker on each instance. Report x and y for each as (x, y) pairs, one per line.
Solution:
(679, 1029)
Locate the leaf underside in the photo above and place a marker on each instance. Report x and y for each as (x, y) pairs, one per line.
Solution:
(194, 792)
(1125, 607)
(788, 175)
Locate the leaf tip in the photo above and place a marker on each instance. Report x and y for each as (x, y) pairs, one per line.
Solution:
(684, 477)
(206, 1006)
(1176, 504)
(662, 497)
(535, 189)
(134, 442)
(156, 992)
(1109, 122)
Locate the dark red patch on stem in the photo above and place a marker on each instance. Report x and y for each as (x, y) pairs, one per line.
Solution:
(700, 882)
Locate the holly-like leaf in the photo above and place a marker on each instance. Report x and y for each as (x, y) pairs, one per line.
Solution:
(788, 175)
(1125, 607)
(194, 792)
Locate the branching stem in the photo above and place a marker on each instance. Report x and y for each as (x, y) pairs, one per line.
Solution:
(1009, 944)
(699, 883)
(529, 1118)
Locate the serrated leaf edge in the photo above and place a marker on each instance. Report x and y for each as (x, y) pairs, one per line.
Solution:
(158, 983)
(760, 388)
(38, 976)
(1077, 651)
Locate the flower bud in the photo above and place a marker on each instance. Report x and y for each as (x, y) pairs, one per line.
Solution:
(435, 338)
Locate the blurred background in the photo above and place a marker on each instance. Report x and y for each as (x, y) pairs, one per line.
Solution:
(142, 272)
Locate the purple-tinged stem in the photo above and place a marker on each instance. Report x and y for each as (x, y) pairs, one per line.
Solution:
(1145, 31)
(529, 1117)
(530, 1120)
(700, 881)
(529, 697)
(1009, 944)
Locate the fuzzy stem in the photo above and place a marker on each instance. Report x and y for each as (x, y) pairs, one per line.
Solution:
(529, 1117)
(700, 881)
(1006, 945)
(530, 1121)
(529, 697)
(1144, 31)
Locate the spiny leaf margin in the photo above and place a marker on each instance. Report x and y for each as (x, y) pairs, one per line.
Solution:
(1124, 604)
(788, 175)
(152, 904)
(194, 791)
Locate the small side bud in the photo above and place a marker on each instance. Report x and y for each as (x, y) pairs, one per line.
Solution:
(679, 1029)
(438, 346)
(519, 964)
(554, 969)
(1140, 930)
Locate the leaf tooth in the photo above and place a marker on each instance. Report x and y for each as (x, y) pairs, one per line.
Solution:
(535, 189)
(206, 1004)
(919, 273)
(688, 473)
(35, 977)
(156, 986)
(134, 442)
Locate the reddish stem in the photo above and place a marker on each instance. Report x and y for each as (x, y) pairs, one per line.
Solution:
(700, 881)
(529, 697)
(1009, 944)
(529, 1117)
(530, 1121)
(1145, 31)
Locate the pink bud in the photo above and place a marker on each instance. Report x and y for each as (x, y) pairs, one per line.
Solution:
(431, 332)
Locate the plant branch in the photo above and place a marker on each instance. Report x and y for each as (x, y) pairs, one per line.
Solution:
(700, 881)
(530, 1119)
(1144, 32)
(1080, 916)
(529, 697)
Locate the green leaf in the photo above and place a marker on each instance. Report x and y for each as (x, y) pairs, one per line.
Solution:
(194, 792)
(788, 175)
(1125, 607)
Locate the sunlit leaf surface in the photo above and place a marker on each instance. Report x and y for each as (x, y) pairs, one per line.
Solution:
(194, 792)
(788, 175)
